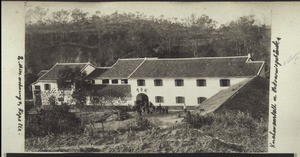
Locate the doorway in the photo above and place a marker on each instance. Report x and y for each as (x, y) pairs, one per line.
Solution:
(142, 99)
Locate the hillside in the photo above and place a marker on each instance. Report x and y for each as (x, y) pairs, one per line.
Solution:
(102, 39)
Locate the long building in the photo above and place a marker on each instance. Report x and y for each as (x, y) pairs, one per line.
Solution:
(167, 81)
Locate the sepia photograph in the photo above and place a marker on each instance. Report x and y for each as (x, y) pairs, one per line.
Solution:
(150, 78)
(146, 77)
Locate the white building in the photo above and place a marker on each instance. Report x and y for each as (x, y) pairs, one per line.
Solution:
(169, 82)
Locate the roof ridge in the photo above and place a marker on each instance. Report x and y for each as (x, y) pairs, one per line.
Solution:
(202, 58)
(72, 63)
(156, 58)
(115, 63)
(135, 58)
(102, 67)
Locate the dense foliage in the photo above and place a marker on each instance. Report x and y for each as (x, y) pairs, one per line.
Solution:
(51, 121)
(76, 36)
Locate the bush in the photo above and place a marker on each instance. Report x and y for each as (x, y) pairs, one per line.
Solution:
(53, 120)
(143, 123)
(198, 121)
(140, 123)
(122, 115)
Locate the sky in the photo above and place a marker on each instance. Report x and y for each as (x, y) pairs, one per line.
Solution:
(222, 12)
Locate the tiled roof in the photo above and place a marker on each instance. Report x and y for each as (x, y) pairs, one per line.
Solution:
(97, 72)
(52, 74)
(107, 89)
(176, 67)
(251, 95)
(123, 68)
(198, 67)
(41, 73)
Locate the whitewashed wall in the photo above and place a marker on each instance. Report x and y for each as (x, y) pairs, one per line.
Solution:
(190, 91)
(169, 91)
(45, 94)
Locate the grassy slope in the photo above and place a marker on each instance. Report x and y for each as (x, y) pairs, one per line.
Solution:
(228, 133)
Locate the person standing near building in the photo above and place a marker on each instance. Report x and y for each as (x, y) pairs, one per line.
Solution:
(184, 108)
(159, 108)
(147, 108)
(167, 109)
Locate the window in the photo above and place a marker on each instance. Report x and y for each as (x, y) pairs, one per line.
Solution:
(124, 81)
(201, 99)
(37, 87)
(158, 82)
(201, 82)
(159, 99)
(179, 99)
(105, 81)
(60, 99)
(178, 82)
(224, 82)
(141, 82)
(47, 87)
(114, 81)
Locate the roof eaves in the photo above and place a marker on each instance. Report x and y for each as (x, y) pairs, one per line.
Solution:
(71, 63)
(135, 58)
(198, 77)
(102, 67)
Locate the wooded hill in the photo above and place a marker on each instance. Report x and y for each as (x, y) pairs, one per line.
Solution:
(76, 36)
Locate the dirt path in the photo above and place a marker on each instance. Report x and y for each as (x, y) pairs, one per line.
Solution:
(160, 120)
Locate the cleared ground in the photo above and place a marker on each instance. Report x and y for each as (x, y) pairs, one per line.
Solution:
(230, 133)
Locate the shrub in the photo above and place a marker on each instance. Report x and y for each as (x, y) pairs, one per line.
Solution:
(143, 123)
(122, 115)
(198, 121)
(53, 120)
(138, 124)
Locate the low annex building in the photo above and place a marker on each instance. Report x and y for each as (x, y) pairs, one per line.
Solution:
(166, 81)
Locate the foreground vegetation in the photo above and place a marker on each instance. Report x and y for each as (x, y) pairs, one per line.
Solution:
(229, 132)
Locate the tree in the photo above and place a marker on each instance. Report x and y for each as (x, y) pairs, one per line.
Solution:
(29, 79)
(61, 17)
(205, 22)
(78, 16)
(73, 79)
(53, 120)
(36, 15)
(112, 98)
(103, 39)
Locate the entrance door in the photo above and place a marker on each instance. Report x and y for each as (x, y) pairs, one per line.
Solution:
(142, 99)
